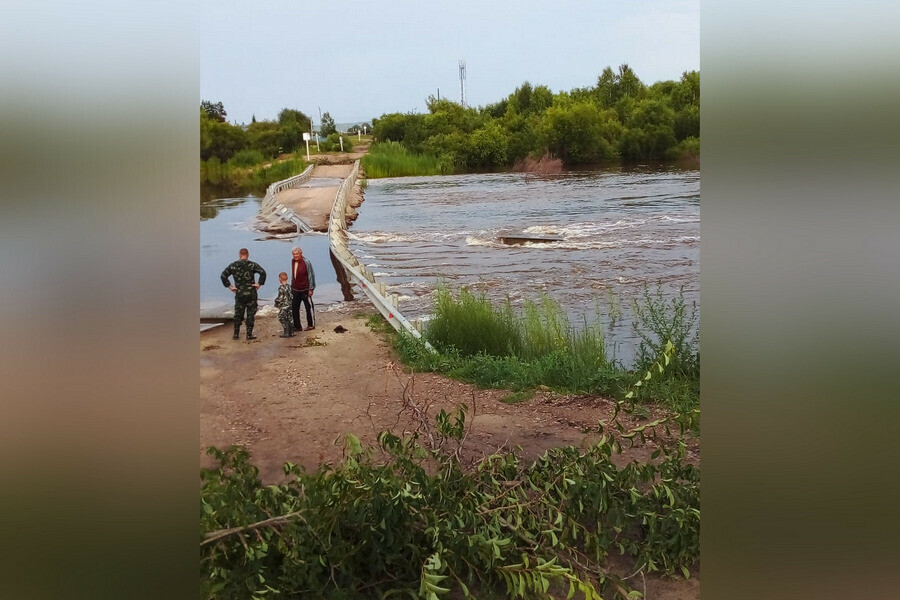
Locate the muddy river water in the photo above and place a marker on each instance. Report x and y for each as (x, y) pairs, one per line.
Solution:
(617, 230)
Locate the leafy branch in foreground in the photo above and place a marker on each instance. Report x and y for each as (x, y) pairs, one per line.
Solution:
(415, 522)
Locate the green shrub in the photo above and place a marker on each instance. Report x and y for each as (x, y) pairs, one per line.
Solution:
(333, 142)
(657, 321)
(211, 171)
(247, 158)
(686, 148)
(417, 523)
(392, 159)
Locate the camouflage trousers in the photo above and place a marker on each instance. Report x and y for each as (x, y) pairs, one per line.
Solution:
(245, 302)
(284, 316)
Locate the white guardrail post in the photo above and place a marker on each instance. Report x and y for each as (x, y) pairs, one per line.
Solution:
(385, 302)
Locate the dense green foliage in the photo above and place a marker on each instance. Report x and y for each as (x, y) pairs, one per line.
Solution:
(222, 140)
(620, 118)
(498, 347)
(333, 143)
(232, 155)
(392, 159)
(417, 523)
(214, 110)
(247, 158)
(327, 126)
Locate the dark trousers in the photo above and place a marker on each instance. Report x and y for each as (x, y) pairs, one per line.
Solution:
(245, 301)
(310, 309)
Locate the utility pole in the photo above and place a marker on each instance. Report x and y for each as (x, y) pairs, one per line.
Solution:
(462, 83)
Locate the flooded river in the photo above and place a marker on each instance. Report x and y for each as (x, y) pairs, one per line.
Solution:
(619, 230)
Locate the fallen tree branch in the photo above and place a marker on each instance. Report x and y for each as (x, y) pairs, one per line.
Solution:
(214, 536)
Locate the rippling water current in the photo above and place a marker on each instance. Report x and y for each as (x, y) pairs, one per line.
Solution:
(621, 230)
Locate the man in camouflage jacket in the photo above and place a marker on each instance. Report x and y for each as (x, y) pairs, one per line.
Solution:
(244, 289)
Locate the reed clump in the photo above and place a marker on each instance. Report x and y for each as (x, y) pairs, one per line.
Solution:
(245, 172)
(497, 346)
(392, 159)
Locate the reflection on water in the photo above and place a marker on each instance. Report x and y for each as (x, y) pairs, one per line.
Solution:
(621, 229)
(209, 209)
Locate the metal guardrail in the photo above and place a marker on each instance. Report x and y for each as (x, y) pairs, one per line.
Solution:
(269, 202)
(385, 302)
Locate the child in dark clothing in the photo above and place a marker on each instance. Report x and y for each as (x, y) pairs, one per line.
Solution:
(283, 303)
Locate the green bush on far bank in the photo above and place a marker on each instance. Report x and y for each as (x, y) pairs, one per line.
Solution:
(620, 119)
(332, 143)
(247, 158)
(688, 148)
(392, 159)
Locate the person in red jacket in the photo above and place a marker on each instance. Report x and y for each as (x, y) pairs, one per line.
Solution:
(303, 284)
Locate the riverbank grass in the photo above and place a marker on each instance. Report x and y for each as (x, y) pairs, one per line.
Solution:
(391, 159)
(496, 346)
(247, 172)
(499, 347)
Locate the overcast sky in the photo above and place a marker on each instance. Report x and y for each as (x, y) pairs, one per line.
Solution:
(360, 59)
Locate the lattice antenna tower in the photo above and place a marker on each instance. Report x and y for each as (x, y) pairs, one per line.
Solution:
(462, 83)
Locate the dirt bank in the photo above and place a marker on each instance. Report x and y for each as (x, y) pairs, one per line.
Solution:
(290, 399)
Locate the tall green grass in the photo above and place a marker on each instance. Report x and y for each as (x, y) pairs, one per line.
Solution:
(392, 159)
(236, 177)
(496, 346)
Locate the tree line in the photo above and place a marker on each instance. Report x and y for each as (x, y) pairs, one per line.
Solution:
(223, 140)
(619, 118)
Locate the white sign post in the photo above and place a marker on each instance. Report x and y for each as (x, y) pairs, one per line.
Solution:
(359, 134)
(306, 139)
(340, 137)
